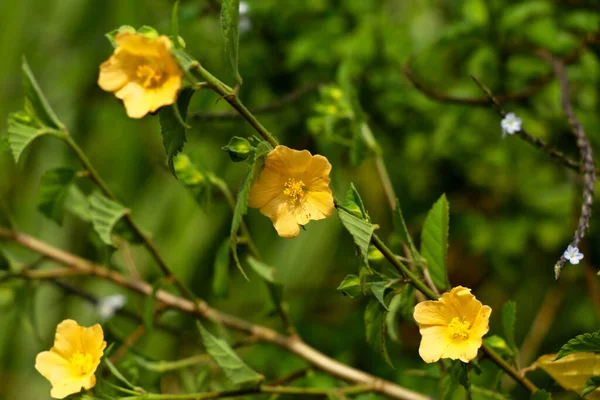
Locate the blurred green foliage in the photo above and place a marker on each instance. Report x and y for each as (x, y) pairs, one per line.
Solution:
(512, 210)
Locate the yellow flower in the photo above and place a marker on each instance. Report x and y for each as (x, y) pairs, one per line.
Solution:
(142, 72)
(292, 189)
(71, 362)
(452, 327)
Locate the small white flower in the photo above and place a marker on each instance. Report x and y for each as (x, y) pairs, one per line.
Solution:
(244, 8)
(573, 255)
(108, 306)
(510, 124)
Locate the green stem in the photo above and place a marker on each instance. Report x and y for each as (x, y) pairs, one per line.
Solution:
(230, 95)
(148, 243)
(391, 257)
(526, 383)
(256, 390)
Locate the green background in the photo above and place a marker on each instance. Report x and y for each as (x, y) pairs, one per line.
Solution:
(512, 209)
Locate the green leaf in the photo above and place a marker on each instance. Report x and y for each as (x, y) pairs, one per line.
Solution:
(509, 317)
(173, 126)
(105, 214)
(231, 364)
(590, 385)
(378, 290)
(354, 203)
(22, 132)
(35, 101)
(350, 286)
(230, 18)
(401, 307)
(541, 395)
(78, 204)
(375, 325)
(459, 372)
(241, 205)
(269, 274)
(53, 191)
(220, 282)
(197, 181)
(587, 342)
(500, 346)
(150, 306)
(360, 229)
(402, 230)
(434, 242)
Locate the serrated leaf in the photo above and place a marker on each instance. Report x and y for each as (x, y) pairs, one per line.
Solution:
(402, 230)
(230, 19)
(173, 126)
(378, 290)
(590, 385)
(434, 242)
(220, 283)
(21, 135)
(509, 318)
(354, 203)
(53, 191)
(78, 204)
(350, 286)
(587, 342)
(375, 326)
(572, 371)
(269, 274)
(105, 214)
(35, 101)
(231, 364)
(540, 395)
(241, 204)
(361, 231)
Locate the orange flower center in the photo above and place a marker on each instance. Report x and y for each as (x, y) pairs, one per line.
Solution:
(459, 328)
(149, 75)
(82, 363)
(294, 189)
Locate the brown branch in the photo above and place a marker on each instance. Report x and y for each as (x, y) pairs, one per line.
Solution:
(585, 150)
(536, 85)
(202, 309)
(556, 155)
(266, 108)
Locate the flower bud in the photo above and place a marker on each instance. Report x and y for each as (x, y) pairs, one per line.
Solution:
(238, 148)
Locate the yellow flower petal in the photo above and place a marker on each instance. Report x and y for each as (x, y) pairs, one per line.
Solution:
(52, 366)
(268, 186)
(433, 313)
(138, 102)
(434, 343)
(72, 361)
(453, 326)
(142, 72)
(67, 339)
(292, 189)
(293, 162)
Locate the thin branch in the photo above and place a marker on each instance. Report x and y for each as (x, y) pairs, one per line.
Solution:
(202, 309)
(290, 377)
(264, 109)
(516, 96)
(556, 155)
(585, 150)
(282, 390)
